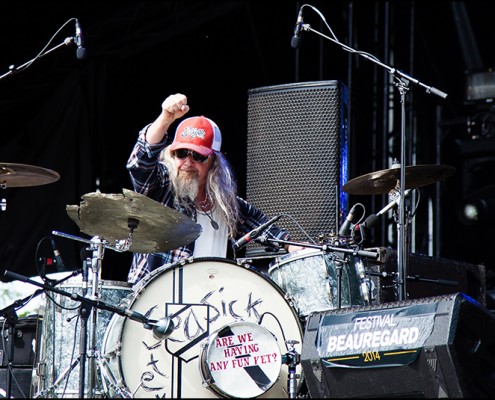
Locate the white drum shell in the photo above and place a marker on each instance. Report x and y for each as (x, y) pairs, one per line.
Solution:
(309, 279)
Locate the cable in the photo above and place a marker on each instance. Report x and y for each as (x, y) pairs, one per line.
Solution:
(335, 37)
(299, 226)
(40, 54)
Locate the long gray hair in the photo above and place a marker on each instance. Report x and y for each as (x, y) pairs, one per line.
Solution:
(221, 187)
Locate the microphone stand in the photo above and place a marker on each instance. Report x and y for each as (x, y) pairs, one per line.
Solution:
(402, 81)
(417, 278)
(13, 69)
(101, 305)
(88, 303)
(339, 262)
(324, 247)
(10, 314)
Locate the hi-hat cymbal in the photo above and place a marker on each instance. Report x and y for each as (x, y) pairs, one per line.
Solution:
(19, 175)
(159, 228)
(384, 181)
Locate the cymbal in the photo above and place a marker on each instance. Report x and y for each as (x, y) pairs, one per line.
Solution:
(159, 228)
(19, 175)
(384, 181)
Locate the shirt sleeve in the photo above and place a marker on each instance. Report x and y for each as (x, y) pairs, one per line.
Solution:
(147, 174)
(252, 217)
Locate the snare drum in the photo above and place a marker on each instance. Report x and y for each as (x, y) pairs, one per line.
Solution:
(207, 299)
(57, 352)
(309, 279)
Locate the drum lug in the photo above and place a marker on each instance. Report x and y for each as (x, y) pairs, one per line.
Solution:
(39, 370)
(243, 261)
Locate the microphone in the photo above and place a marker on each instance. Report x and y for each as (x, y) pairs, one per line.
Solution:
(373, 218)
(346, 226)
(239, 244)
(79, 40)
(162, 328)
(296, 39)
(58, 259)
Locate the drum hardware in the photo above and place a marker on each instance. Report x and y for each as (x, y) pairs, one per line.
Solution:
(384, 181)
(133, 217)
(324, 247)
(161, 328)
(416, 278)
(22, 175)
(10, 315)
(292, 359)
(389, 181)
(338, 268)
(88, 305)
(255, 233)
(403, 176)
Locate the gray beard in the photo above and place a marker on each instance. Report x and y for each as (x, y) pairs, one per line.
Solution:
(186, 186)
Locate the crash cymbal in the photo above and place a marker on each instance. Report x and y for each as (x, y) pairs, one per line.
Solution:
(384, 181)
(19, 175)
(159, 228)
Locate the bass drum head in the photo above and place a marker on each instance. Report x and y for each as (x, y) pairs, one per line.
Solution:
(240, 360)
(202, 297)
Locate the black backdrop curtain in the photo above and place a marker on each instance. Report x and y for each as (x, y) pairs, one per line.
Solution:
(54, 129)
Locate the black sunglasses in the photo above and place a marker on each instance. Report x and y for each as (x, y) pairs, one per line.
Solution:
(183, 153)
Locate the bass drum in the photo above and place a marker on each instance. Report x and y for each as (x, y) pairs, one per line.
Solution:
(221, 312)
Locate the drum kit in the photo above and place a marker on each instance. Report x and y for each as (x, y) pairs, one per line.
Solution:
(199, 328)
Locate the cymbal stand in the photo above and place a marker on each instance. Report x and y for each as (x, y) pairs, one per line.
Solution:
(402, 81)
(89, 312)
(87, 334)
(98, 253)
(89, 317)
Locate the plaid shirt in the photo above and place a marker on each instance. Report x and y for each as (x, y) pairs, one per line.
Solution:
(150, 177)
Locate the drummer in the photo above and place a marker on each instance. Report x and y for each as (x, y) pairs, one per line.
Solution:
(192, 176)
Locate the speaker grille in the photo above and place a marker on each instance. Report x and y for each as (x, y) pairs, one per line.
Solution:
(297, 152)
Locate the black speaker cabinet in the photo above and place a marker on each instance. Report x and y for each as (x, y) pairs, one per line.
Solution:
(429, 276)
(297, 155)
(20, 383)
(433, 347)
(24, 341)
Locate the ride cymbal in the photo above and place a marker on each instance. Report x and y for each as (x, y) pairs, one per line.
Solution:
(384, 181)
(155, 227)
(20, 175)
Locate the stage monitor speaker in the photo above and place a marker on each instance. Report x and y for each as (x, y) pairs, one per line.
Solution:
(24, 341)
(432, 347)
(429, 276)
(297, 155)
